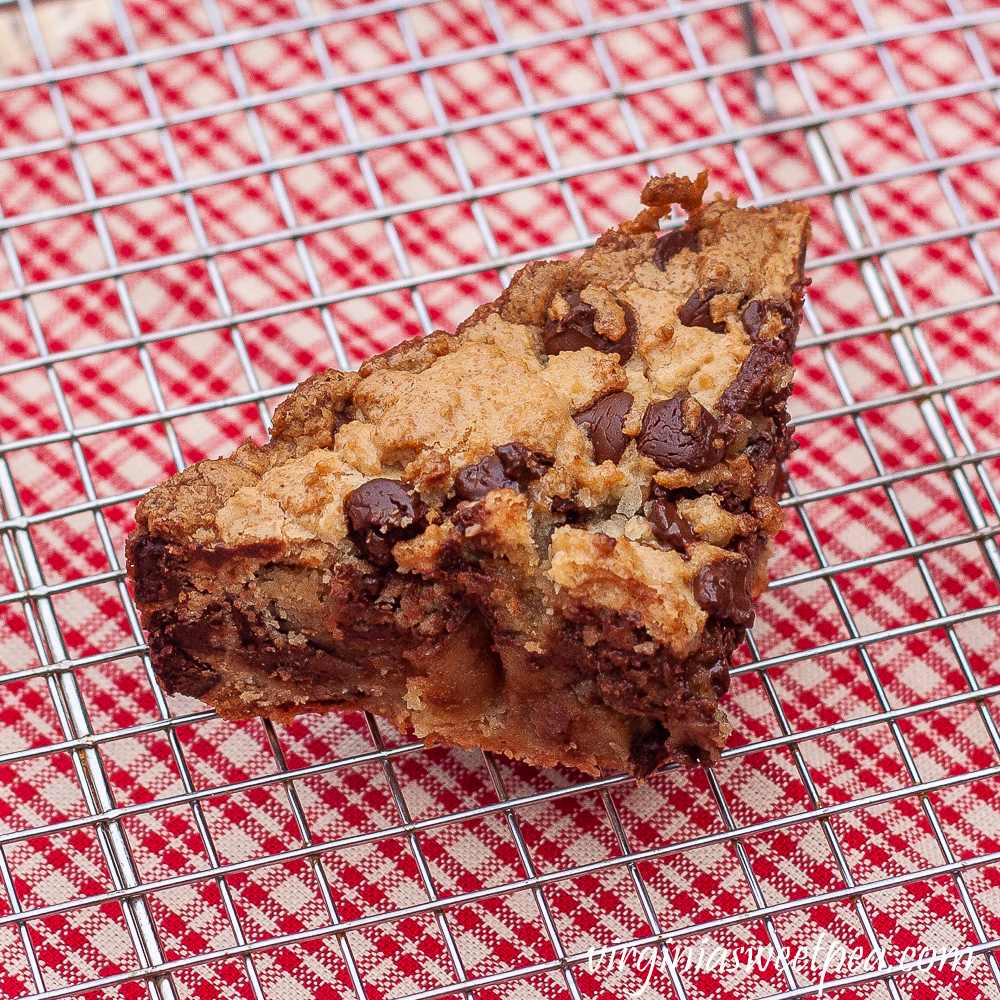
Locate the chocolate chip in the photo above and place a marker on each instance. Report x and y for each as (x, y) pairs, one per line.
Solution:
(757, 381)
(381, 513)
(697, 311)
(680, 433)
(603, 422)
(649, 750)
(763, 376)
(669, 528)
(673, 243)
(755, 318)
(576, 330)
(723, 589)
(520, 463)
(625, 347)
(567, 507)
(510, 467)
(475, 481)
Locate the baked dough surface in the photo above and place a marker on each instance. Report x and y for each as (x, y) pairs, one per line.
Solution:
(540, 535)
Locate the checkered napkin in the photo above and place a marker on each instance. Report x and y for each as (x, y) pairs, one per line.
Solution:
(177, 288)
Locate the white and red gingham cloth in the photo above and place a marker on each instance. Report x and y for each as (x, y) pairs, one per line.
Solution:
(109, 388)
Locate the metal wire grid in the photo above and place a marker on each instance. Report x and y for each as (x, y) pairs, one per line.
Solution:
(147, 965)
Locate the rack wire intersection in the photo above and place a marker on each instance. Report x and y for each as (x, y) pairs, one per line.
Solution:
(200, 204)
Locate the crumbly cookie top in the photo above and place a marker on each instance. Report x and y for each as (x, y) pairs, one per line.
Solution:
(588, 386)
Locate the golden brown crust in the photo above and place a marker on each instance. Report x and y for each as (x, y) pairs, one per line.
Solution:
(539, 535)
(660, 193)
(309, 417)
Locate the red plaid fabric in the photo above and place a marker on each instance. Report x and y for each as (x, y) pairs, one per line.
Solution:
(205, 204)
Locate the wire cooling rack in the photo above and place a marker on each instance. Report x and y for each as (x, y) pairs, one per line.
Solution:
(203, 202)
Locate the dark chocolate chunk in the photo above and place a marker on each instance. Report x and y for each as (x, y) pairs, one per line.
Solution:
(750, 545)
(475, 481)
(381, 513)
(520, 463)
(510, 467)
(649, 750)
(755, 317)
(576, 329)
(667, 437)
(369, 584)
(673, 243)
(568, 508)
(625, 347)
(669, 528)
(723, 589)
(697, 311)
(604, 422)
(758, 380)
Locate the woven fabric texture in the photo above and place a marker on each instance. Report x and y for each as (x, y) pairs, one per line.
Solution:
(195, 219)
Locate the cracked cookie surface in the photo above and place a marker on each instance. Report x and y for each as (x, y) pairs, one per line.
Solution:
(541, 535)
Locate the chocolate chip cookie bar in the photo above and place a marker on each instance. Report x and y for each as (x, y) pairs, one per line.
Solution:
(541, 535)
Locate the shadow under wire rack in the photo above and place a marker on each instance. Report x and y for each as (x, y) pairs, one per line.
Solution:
(203, 202)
